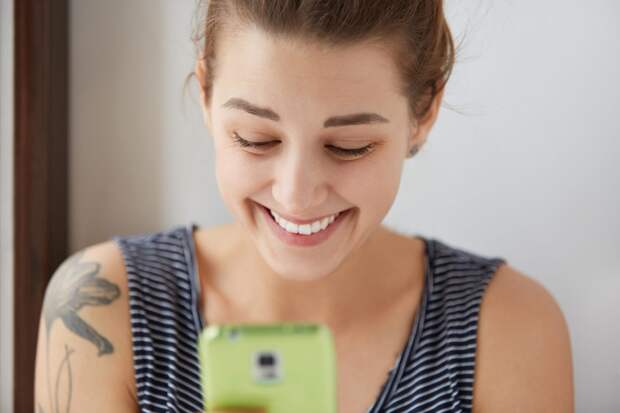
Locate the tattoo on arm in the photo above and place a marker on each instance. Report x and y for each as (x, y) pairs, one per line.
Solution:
(75, 285)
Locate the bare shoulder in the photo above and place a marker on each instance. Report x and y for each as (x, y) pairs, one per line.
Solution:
(523, 359)
(84, 353)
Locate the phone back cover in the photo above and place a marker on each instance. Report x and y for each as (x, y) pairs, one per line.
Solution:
(302, 380)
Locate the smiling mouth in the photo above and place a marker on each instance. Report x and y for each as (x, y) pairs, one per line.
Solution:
(303, 235)
(305, 221)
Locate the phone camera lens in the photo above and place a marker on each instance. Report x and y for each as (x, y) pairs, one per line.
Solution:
(266, 359)
(267, 366)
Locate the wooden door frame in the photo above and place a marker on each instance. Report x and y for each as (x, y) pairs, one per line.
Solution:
(41, 34)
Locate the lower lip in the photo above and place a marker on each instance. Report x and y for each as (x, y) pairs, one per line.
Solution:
(300, 239)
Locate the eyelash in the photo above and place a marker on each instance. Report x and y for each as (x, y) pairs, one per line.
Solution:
(341, 151)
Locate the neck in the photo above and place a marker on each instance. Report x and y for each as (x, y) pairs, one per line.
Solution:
(367, 282)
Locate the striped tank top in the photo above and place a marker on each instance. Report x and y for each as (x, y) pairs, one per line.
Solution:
(434, 372)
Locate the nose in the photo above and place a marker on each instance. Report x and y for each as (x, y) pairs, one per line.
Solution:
(300, 186)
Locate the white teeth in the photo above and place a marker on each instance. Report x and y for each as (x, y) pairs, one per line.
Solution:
(316, 226)
(305, 229)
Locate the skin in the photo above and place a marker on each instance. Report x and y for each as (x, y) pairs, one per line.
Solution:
(335, 282)
(521, 331)
(299, 176)
(75, 284)
(84, 356)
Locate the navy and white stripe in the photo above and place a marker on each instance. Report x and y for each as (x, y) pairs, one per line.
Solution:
(434, 372)
(164, 321)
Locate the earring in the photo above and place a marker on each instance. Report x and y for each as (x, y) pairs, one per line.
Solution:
(412, 151)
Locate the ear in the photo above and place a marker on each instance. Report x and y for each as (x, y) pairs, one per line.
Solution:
(424, 125)
(200, 71)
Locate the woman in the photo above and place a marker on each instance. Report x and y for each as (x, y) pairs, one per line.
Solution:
(313, 107)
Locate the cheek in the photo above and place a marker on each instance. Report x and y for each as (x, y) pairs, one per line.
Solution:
(237, 176)
(229, 167)
(371, 187)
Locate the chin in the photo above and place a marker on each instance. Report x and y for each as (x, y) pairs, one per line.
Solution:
(301, 271)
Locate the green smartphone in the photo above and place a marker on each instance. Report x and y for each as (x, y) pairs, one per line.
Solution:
(282, 368)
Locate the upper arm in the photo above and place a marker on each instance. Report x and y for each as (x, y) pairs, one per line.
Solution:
(84, 355)
(523, 361)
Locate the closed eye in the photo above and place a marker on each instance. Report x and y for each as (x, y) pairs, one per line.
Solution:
(340, 151)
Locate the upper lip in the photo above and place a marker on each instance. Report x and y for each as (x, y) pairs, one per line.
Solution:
(297, 220)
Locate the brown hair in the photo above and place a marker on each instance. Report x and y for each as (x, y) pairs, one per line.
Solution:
(416, 31)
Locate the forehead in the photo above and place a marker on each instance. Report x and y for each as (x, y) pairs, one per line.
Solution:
(254, 63)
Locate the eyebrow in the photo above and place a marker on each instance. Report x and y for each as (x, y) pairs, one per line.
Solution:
(334, 121)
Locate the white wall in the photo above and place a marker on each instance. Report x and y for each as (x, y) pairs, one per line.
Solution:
(139, 162)
(528, 173)
(6, 205)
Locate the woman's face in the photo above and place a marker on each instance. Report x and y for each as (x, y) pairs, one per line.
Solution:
(296, 99)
